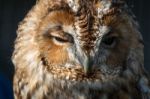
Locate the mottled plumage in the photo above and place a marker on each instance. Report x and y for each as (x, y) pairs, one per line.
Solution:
(79, 49)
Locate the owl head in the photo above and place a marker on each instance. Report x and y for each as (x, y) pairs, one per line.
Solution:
(90, 35)
(80, 39)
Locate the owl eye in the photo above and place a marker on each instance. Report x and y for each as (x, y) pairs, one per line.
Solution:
(61, 40)
(67, 38)
(109, 42)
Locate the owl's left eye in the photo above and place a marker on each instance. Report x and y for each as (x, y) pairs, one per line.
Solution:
(109, 42)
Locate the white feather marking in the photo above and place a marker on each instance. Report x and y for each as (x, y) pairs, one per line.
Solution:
(30, 56)
(73, 4)
(104, 8)
(69, 29)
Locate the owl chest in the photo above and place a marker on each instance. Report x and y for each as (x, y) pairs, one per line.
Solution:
(67, 93)
(50, 87)
(65, 90)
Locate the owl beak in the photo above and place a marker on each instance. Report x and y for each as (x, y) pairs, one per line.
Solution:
(88, 62)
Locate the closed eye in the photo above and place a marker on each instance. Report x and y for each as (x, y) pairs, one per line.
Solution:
(60, 39)
(58, 35)
(65, 38)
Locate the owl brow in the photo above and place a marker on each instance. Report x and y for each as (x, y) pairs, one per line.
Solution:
(55, 27)
(111, 33)
(63, 7)
(51, 29)
(107, 30)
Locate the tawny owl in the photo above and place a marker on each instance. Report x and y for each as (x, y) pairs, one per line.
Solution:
(79, 49)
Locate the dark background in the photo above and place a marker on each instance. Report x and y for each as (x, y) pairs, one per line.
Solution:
(13, 11)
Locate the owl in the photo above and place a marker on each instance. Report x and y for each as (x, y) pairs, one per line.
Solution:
(79, 49)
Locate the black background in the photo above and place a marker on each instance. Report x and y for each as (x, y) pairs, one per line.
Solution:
(13, 11)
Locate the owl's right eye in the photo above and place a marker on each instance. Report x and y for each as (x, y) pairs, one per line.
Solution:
(60, 39)
(66, 38)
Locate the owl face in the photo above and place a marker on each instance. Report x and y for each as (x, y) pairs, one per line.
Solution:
(79, 49)
(85, 38)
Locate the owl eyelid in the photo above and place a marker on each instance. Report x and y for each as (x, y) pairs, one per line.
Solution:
(65, 38)
(56, 35)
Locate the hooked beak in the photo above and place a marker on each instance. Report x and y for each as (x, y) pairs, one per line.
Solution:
(87, 64)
